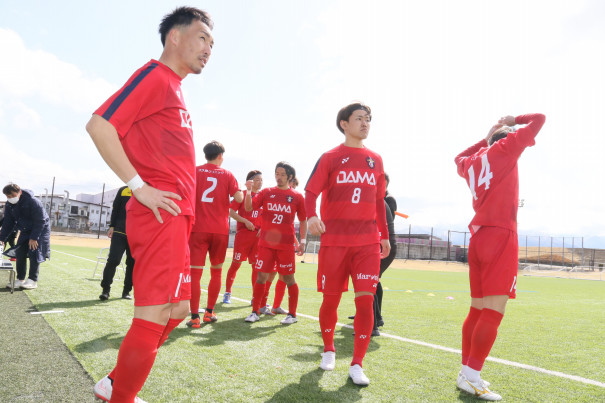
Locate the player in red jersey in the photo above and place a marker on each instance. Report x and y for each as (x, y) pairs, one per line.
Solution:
(280, 286)
(246, 237)
(210, 233)
(144, 134)
(490, 170)
(353, 229)
(276, 245)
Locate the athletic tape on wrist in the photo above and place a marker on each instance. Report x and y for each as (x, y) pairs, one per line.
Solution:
(135, 183)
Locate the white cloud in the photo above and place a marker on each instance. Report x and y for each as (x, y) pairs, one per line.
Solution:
(39, 74)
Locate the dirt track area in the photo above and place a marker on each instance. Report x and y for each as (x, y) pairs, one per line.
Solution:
(103, 242)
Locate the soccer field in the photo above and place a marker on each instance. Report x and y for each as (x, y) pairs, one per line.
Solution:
(552, 339)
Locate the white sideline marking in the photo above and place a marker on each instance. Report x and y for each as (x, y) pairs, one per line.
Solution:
(40, 313)
(457, 351)
(438, 347)
(69, 254)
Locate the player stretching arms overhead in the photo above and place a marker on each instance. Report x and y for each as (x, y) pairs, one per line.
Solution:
(490, 170)
(276, 245)
(210, 233)
(353, 228)
(246, 237)
(144, 134)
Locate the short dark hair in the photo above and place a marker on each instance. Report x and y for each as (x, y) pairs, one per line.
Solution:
(252, 174)
(346, 112)
(294, 181)
(182, 17)
(499, 134)
(290, 171)
(213, 149)
(386, 180)
(11, 188)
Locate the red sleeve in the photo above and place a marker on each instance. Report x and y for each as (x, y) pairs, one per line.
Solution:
(310, 204)
(141, 96)
(257, 201)
(460, 158)
(301, 211)
(381, 214)
(235, 205)
(233, 185)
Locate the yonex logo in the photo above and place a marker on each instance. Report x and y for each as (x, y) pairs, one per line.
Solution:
(327, 330)
(345, 160)
(363, 336)
(355, 177)
(272, 197)
(185, 119)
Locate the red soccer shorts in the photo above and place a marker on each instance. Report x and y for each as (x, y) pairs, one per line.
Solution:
(201, 243)
(245, 246)
(493, 260)
(161, 251)
(271, 260)
(337, 263)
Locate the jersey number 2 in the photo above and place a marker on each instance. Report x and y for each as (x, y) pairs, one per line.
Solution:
(484, 177)
(205, 197)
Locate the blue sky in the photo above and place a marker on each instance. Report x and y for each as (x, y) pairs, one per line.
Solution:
(437, 75)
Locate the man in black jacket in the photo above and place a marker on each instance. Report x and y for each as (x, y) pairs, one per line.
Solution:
(119, 244)
(25, 213)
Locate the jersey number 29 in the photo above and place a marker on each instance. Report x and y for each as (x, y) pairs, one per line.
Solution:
(484, 177)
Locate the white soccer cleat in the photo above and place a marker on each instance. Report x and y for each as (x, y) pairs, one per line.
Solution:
(266, 310)
(103, 389)
(18, 284)
(279, 311)
(227, 298)
(29, 284)
(328, 361)
(477, 389)
(289, 320)
(357, 376)
(253, 317)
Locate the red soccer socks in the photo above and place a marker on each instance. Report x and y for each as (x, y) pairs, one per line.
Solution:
(257, 296)
(194, 302)
(170, 326)
(214, 287)
(266, 294)
(231, 275)
(292, 297)
(328, 316)
(467, 332)
(363, 325)
(135, 359)
(484, 337)
(280, 290)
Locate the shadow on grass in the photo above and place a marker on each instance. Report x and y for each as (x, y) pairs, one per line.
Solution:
(343, 343)
(308, 389)
(110, 341)
(48, 306)
(224, 331)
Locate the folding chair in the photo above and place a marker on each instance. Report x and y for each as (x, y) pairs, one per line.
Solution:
(102, 258)
(7, 265)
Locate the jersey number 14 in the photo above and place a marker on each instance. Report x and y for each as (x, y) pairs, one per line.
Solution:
(484, 177)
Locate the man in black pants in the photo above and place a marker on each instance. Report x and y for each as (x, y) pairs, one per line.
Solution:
(390, 207)
(119, 244)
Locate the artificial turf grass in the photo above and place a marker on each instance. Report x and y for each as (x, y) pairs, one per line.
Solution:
(35, 364)
(266, 361)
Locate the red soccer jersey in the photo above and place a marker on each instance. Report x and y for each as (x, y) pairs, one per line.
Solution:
(279, 208)
(352, 203)
(151, 118)
(253, 216)
(214, 187)
(492, 175)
